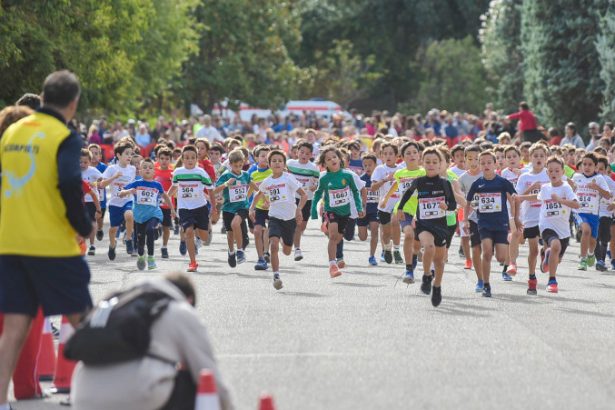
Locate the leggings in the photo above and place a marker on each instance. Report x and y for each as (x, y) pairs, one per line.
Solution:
(146, 231)
(604, 237)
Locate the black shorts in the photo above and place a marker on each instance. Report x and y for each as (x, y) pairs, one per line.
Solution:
(531, 233)
(167, 221)
(367, 219)
(194, 218)
(91, 208)
(497, 236)
(439, 235)
(227, 218)
(306, 210)
(474, 235)
(384, 217)
(261, 216)
(58, 285)
(285, 230)
(340, 220)
(549, 235)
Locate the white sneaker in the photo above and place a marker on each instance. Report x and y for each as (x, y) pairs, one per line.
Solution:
(298, 254)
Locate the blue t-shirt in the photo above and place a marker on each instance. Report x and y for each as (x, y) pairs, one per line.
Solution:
(356, 166)
(146, 200)
(372, 197)
(491, 199)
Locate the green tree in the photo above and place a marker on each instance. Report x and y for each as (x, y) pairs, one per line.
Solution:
(451, 77)
(562, 68)
(501, 53)
(605, 45)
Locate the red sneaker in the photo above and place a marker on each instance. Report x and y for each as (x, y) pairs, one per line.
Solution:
(468, 264)
(512, 269)
(193, 267)
(552, 287)
(531, 286)
(334, 271)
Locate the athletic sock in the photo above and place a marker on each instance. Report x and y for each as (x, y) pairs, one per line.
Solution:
(231, 252)
(532, 276)
(396, 248)
(408, 267)
(332, 262)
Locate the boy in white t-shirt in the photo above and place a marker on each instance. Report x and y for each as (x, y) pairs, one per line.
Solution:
(280, 189)
(606, 215)
(92, 176)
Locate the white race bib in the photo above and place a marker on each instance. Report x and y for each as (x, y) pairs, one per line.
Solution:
(189, 192)
(489, 202)
(339, 197)
(553, 209)
(147, 196)
(589, 200)
(535, 204)
(117, 187)
(373, 197)
(429, 208)
(278, 193)
(238, 193)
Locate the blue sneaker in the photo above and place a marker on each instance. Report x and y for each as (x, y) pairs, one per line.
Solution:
(408, 277)
(372, 261)
(506, 277)
(130, 247)
(601, 266)
(261, 264)
(479, 286)
(241, 256)
(182, 248)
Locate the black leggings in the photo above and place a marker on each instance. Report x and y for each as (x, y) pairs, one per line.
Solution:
(604, 237)
(146, 231)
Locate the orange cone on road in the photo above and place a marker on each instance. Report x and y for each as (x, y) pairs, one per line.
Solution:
(46, 362)
(207, 394)
(64, 367)
(266, 402)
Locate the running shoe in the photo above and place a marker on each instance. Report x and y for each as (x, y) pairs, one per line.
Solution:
(151, 263)
(372, 261)
(261, 264)
(277, 282)
(99, 235)
(582, 264)
(512, 269)
(531, 287)
(506, 277)
(382, 256)
(164, 253)
(487, 291)
(479, 286)
(436, 296)
(398, 259)
(591, 260)
(192, 267)
(182, 248)
(141, 262)
(232, 259)
(388, 256)
(600, 266)
(341, 264)
(544, 264)
(408, 277)
(334, 271)
(267, 257)
(111, 253)
(426, 285)
(468, 264)
(241, 256)
(298, 255)
(92, 250)
(552, 286)
(130, 249)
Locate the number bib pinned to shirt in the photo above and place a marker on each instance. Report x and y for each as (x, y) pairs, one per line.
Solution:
(489, 202)
(339, 197)
(553, 209)
(429, 208)
(238, 193)
(278, 193)
(147, 196)
(589, 200)
(373, 197)
(189, 192)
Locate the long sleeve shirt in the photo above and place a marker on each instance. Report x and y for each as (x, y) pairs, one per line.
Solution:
(338, 189)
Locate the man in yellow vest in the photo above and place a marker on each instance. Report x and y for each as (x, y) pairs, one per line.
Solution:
(41, 216)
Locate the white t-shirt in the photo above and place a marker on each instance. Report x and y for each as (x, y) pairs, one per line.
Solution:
(554, 215)
(191, 185)
(305, 174)
(380, 173)
(530, 210)
(281, 194)
(604, 203)
(589, 198)
(128, 175)
(458, 171)
(513, 177)
(90, 176)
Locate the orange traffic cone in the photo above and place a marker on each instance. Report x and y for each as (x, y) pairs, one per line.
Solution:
(64, 367)
(207, 394)
(46, 361)
(266, 402)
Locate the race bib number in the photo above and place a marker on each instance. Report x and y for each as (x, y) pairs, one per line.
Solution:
(189, 192)
(238, 193)
(278, 193)
(339, 197)
(553, 209)
(404, 184)
(429, 208)
(589, 200)
(489, 202)
(535, 204)
(373, 197)
(117, 187)
(147, 197)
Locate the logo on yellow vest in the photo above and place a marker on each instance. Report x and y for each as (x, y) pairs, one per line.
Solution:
(16, 183)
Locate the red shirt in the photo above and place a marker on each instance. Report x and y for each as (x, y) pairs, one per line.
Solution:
(86, 188)
(165, 177)
(209, 168)
(527, 120)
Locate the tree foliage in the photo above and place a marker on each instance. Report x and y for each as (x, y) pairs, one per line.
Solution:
(605, 45)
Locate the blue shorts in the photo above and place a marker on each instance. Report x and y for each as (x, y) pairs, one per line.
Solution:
(497, 236)
(116, 214)
(367, 219)
(592, 220)
(58, 285)
(407, 221)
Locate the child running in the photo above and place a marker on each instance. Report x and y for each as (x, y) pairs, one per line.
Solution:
(606, 215)
(280, 189)
(435, 197)
(337, 187)
(370, 220)
(163, 171)
(92, 176)
(258, 173)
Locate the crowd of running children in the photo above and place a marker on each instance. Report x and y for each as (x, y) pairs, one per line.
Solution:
(495, 196)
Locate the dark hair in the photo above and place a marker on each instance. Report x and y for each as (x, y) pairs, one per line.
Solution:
(260, 148)
(433, 151)
(456, 149)
(591, 156)
(604, 160)
(524, 105)
(30, 100)
(371, 157)
(390, 145)
(326, 150)
(572, 126)
(203, 141)
(164, 151)
(182, 282)
(120, 148)
(274, 152)
(60, 88)
(409, 144)
(191, 148)
(556, 159)
(12, 114)
(217, 147)
(305, 144)
(471, 148)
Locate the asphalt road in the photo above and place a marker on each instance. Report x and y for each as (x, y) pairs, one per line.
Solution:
(362, 342)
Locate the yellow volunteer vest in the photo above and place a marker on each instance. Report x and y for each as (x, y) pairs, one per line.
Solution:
(32, 213)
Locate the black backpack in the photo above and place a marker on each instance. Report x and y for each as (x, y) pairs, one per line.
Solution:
(118, 329)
